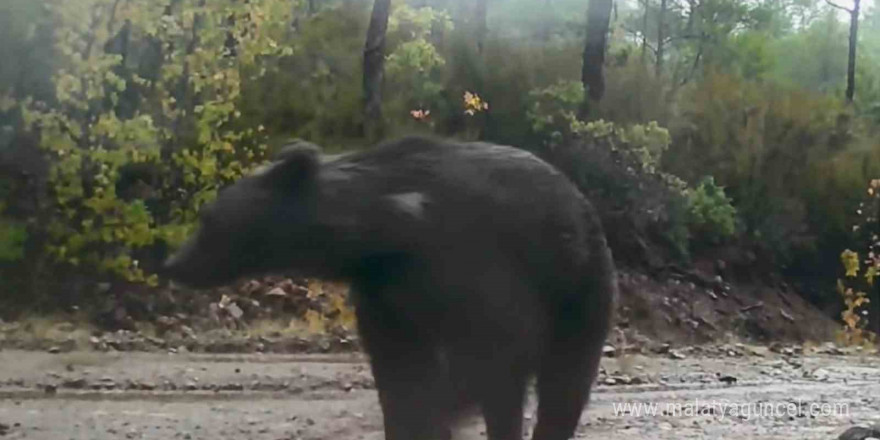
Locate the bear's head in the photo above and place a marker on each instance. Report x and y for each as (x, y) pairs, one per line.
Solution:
(257, 225)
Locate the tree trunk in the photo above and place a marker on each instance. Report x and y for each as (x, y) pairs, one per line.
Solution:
(853, 42)
(480, 26)
(645, 33)
(374, 66)
(661, 37)
(598, 17)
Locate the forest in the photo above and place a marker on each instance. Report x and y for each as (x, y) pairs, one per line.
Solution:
(704, 130)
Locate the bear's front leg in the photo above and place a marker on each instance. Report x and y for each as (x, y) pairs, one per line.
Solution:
(411, 380)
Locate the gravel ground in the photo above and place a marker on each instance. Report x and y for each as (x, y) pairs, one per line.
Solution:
(723, 393)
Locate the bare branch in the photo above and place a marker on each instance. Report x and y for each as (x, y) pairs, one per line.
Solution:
(835, 5)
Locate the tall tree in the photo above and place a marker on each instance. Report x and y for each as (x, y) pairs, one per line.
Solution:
(644, 30)
(853, 43)
(598, 19)
(374, 68)
(661, 38)
(481, 27)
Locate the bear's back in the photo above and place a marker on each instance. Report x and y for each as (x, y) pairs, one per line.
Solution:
(435, 195)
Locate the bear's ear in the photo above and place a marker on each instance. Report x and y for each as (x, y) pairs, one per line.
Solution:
(295, 147)
(295, 164)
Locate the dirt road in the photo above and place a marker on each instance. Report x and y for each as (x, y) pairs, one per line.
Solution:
(98, 396)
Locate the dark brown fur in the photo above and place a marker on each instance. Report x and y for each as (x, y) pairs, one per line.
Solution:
(473, 267)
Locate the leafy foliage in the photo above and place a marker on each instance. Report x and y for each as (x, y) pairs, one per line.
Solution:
(183, 136)
(14, 236)
(643, 209)
(144, 110)
(712, 216)
(854, 315)
(553, 109)
(414, 63)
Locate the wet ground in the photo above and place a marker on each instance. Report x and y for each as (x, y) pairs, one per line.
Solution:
(741, 393)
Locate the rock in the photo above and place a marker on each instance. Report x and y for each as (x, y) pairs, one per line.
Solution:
(146, 386)
(663, 349)
(676, 355)
(231, 387)
(819, 374)
(609, 351)
(50, 389)
(251, 287)
(107, 383)
(277, 292)
(830, 348)
(75, 383)
(234, 311)
(727, 379)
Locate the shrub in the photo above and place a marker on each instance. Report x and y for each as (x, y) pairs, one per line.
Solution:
(711, 216)
(413, 64)
(124, 181)
(644, 210)
(553, 109)
(13, 236)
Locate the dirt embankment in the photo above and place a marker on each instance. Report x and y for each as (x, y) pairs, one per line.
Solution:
(674, 307)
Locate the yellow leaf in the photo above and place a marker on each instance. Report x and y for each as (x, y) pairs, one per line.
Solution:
(316, 322)
(871, 274)
(850, 262)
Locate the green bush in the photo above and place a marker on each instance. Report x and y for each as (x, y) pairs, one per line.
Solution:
(643, 209)
(553, 109)
(13, 236)
(124, 181)
(414, 64)
(711, 216)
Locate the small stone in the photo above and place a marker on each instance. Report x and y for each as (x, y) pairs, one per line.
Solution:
(676, 355)
(278, 292)
(75, 383)
(727, 379)
(663, 349)
(609, 351)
